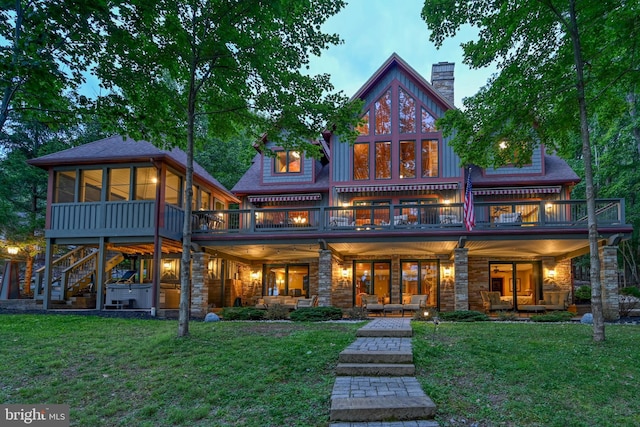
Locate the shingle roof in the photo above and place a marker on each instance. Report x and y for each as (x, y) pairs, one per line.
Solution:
(251, 181)
(557, 171)
(117, 149)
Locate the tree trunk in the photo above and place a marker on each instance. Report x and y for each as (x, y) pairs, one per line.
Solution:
(28, 273)
(596, 291)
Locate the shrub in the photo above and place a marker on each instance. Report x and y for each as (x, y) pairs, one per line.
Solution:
(316, 314)
(629, 300)
(425, 315)
(357, 313)
(583, 293)
(558, 316)
(631, 291)
(464, 316)
(504, 316)
(276, 312)
(242, 313)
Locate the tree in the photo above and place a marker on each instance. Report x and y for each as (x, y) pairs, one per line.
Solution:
(557, 61)
(46, 47)
(175, 64)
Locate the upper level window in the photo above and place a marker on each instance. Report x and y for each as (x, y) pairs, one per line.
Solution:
(146, 180)
(361, 161)
(383, 160)
(287, 162)
(407, 159)
(119, 184)
(65, 191)
(173, 189)
(363, 128)
(428, 121)
(383, 114)
(406, 112)
(91, 185)
(429, 157)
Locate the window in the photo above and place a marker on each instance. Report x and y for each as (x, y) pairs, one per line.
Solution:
(373, 278)
(287, 162)
(406, 112)
(363, 128)
(146, 180)
(173, 189)
(119, 184)
(428, 122)
(205, 201)
(361, 161)
(91, 185)
(420, 278)
(407, 159)
(65, 187)
(383, 160)
(429, 158)
(286, 279)
(371, 212)
(383, 114)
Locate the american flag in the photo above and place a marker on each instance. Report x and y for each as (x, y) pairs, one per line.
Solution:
(469, 214)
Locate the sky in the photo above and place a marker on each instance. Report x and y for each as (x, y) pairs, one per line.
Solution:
(373, 30)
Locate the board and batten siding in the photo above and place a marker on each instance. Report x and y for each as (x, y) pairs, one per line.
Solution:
(534, 167)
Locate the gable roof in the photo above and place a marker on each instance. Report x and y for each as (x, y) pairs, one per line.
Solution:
(556, 172)
(117, 149)
(395, 61)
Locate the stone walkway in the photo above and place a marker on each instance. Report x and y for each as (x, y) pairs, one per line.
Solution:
(375, 385)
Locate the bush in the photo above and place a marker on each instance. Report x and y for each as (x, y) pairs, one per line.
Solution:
(558, 316)
(242, 313)
(583, 293)
(425, 315)
(504, 316)
(357, 313)
(316, 314)
(277, 312)
(631, 291)
(464, 316)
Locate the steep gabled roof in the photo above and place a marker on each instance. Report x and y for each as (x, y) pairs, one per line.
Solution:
(395, 61)
(117, 149)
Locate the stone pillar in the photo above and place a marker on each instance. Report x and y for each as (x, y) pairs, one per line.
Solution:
(609, 282)
(461, 281)
(324, 278)
(199, 289)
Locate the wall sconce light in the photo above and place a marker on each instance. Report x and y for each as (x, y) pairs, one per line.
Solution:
(447, 272)
(254, 275)
(551, 273)
(12, 250)
(548, 206)
(167, 265)
(345, 273)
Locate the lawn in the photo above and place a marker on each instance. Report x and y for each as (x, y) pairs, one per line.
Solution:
(124, 372)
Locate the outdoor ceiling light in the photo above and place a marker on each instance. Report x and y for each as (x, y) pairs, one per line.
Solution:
(12, 250)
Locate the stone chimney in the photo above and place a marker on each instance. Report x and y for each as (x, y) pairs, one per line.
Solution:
(442, 79)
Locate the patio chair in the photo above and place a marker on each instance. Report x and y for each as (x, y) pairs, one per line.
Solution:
(128, 277)
(371, 303)
(417, 302)
(491, 302)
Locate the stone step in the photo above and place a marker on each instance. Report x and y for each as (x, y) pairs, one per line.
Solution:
(375, 369)
(405, 332)
(387, 408)
(387, 357)
(363, 398)
(416, 423)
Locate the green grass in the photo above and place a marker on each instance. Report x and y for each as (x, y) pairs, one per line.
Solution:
(124, 372)
(534, 374)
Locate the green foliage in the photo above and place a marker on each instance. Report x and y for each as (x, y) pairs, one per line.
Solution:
(556, 316)
(357, 313)
(425, 315)
(242, 313)
(277, 312)
(583, 293)
(507, 316)
(464, 316)
(630, 291)
(316, 314)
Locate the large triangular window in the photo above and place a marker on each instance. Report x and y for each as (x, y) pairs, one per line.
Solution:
(406, 112)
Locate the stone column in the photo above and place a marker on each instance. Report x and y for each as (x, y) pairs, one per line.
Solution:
(461, 281)
(199, 289)
(324, 278)
(609, 282)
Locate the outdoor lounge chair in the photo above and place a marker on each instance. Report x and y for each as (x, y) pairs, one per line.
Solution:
(491, 302)
(128, 277)
(371, 303)
(555, 300)
(417, 302)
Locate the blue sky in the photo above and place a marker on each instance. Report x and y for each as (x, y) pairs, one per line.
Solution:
(373, 30)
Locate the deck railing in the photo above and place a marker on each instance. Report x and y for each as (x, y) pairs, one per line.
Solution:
(494, 215)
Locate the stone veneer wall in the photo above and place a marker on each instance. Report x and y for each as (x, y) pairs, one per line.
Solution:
(461, 281)
(325, 277)
(341, 289)
(609, 282)
(199, 289)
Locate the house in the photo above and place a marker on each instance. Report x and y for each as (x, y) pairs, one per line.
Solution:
(381, 218)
